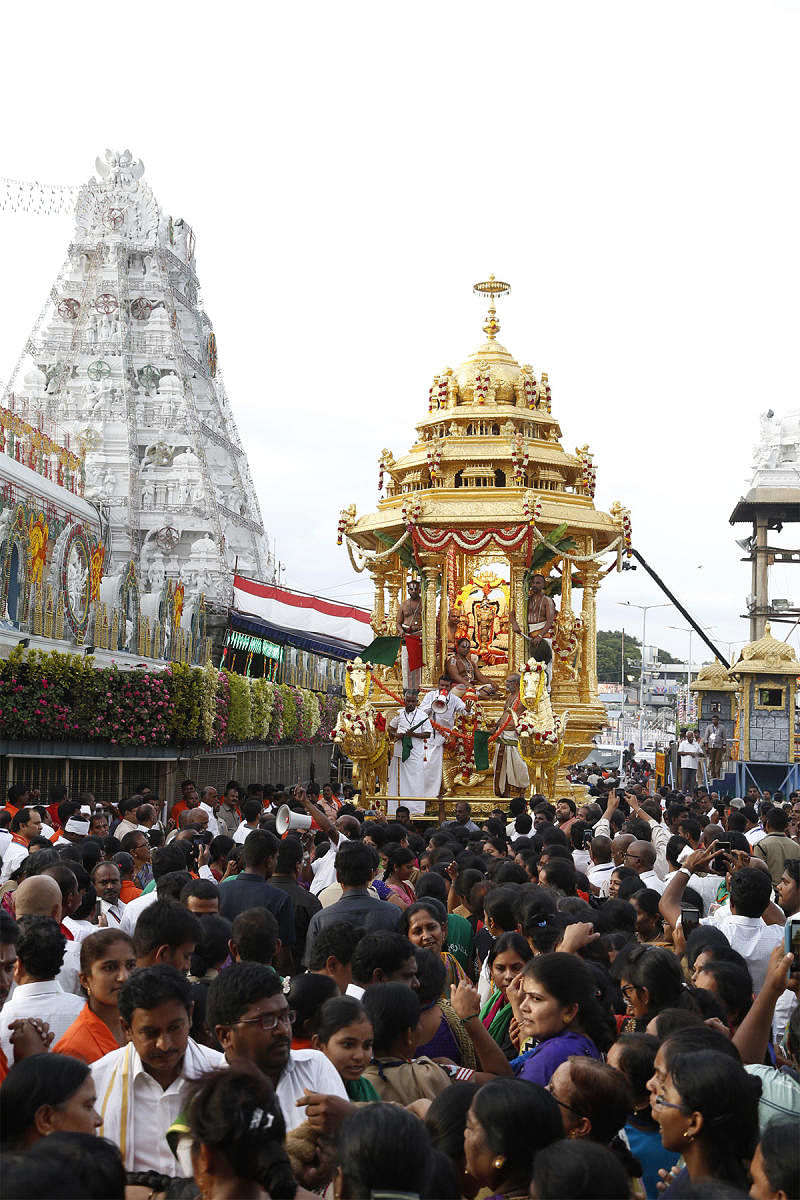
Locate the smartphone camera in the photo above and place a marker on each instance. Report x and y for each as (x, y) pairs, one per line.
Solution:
(721, 862)
(690, 918)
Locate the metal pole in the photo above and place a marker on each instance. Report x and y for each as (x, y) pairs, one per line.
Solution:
(697, 628)
(622, 689)
(641, 677)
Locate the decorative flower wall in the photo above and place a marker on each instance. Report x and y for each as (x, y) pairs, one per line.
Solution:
(65, 698)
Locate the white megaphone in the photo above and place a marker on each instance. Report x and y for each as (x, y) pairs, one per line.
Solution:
(440, 703)
(287, 819)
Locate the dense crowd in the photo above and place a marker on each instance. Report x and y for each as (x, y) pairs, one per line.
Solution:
(558, 1001)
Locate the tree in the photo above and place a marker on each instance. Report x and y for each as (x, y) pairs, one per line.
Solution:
(609, 655)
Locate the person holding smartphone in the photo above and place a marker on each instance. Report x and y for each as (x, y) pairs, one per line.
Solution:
(743, 924)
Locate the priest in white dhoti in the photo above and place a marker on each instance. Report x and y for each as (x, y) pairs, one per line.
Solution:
(442, 706)
(412, 733)
(511, 777)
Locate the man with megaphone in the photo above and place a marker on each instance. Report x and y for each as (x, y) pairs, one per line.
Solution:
(442, 705)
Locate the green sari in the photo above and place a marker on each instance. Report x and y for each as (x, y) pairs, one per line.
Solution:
(498, 1026)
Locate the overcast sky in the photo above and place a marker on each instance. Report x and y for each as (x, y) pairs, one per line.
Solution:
(351, 169)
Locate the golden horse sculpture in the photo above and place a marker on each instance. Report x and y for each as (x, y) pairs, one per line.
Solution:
(360, 732)
(541, 734)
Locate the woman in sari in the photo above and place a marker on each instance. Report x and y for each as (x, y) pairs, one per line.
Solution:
(507, 959)
(399, 868)
(425, 924)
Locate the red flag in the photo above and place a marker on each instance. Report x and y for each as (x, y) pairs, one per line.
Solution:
(414, 648)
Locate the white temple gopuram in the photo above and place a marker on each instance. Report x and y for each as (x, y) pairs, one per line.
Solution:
(124, 359)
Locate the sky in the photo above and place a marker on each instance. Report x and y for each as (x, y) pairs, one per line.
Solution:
(351, 170)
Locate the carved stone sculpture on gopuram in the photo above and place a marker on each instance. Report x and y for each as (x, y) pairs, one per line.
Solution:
(124, 358)
(497, 522)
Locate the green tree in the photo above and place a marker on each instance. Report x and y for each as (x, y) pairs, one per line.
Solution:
(609, 655)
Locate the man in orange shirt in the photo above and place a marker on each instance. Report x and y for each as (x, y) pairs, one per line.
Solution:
(189, 799)
(126, 867)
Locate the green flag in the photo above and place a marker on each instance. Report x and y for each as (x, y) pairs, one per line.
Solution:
(481, 750)
(383, 650)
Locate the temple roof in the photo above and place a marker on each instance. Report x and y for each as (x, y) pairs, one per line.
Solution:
(766, 656)
(488, 441)
(713, 678)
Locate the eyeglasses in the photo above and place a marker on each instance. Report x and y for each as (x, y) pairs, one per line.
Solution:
(562, 1103)
(631, 857)
(269, 1021)
(660, 1102)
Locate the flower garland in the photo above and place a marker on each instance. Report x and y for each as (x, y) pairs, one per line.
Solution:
(434, 457)
(530, 390)
(482, 387)
(588, 471)
(437, 393)
(520, 458)
(411, 512)
(531, 507)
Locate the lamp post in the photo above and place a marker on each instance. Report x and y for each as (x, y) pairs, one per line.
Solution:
(644, 608)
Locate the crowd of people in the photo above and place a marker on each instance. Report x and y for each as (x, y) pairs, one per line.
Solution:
(592, 999)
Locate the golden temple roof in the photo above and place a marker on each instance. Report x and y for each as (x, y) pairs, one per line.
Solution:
(766, 656)
(488, 438)
(713, 678)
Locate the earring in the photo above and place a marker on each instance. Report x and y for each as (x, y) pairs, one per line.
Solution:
(499, 1163)
(688, 1136)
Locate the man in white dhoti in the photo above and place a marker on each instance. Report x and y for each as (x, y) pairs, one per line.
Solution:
(143, 1086)
(409, 629)
(441, 704)
(511, 776)
(412, 733)
(541, 624)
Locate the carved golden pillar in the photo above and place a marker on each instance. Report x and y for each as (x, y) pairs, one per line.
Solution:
(430, 669)
(591, 577)
(394, 578)
(517, 646)
(378, 574)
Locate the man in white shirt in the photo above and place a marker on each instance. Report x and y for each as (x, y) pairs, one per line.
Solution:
(641, 856)
(743, 922)
(209, 802)
(142, 1087)
(25, 824)
(40, 953)
(251, 812)
(250, 1017)
(441, 705)
(342, 830)
(107, 882)
(690, 752)
(601, 864)
(754, 830)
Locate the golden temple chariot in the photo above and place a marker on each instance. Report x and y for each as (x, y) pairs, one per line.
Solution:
(487, 496)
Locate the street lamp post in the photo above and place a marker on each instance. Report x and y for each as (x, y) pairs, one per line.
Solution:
(644, 608)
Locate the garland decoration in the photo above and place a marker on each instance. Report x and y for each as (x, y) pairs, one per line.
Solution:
(531, 507)
(588, 470)
(437, 393)
(520, 457)
(472, 540)
(433, 454)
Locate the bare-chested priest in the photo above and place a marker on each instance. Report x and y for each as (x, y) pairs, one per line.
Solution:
(463, 669)
(409, 625)
(541, 623)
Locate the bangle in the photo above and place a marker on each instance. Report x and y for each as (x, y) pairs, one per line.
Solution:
(471, 1017)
